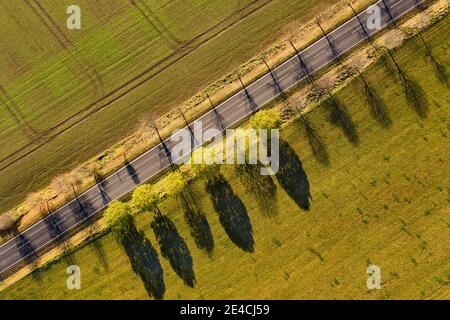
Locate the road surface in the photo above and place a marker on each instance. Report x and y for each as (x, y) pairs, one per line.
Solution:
(27, 245)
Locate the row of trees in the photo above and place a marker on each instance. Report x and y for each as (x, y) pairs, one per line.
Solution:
(228, 205)
(142, 255)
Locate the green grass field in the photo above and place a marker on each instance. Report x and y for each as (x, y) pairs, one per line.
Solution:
(59, 79)
(385, 202)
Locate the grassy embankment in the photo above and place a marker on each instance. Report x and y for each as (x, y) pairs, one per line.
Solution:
(385, 202)
(49, 83)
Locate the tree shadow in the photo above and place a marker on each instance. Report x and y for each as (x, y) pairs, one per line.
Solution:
(101, 185)
(81, 211)
(386, 61)
(292, 177)
(261, 187)
(275, 88)
(103, 194)
(132, 172)
(28, 254)
(318, 148)
(144, 261)
(200, 230)
(232, 213)
(300, 74)
(249, 101)
(440, 71)
(338, 116)
(100, 253)
(197, 222)
(26, 249)
(53, 224)
(174, 248)
(377, 107)
(415, 95)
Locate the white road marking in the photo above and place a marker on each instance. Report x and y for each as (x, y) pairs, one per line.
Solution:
(356, 30)
(393, 6)
(320, 53)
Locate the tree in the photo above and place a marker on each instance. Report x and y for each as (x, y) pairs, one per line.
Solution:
(141, 254)
(261, 187)
(204, 170)
(177, 186)
(172, 245)
(291, 174)
(122, 152)
(7, 224)
(265, 119)
(175, 183)
(231, 210)
(118, 217)
(144, 199)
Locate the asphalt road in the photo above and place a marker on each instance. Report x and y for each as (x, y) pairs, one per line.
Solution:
(26, 245)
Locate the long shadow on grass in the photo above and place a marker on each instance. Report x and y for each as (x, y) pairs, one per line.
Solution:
(99, 250)
(200, 230)
(318, 147)
(440, 71)
(197, 222)
(174, 248)
(377, 107)
(338, 116)
(261, 187)
(292, 177)
(144, 261)
(415, 95)
(232, 213)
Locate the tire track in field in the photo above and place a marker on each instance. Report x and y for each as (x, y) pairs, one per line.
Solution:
(108, 10)
(67, 44)
(19, 118)
(234, 18)
(36, 47)
(157, 24)
(100, 8)
(136, 81)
